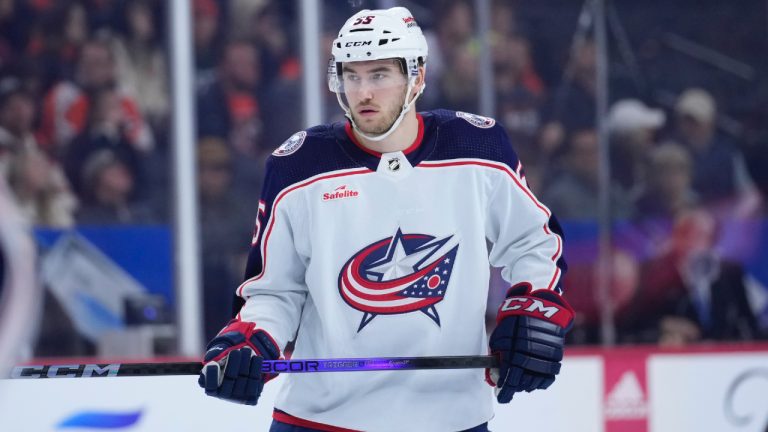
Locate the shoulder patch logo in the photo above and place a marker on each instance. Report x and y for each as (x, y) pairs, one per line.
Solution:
(477, 120)
(291, 144)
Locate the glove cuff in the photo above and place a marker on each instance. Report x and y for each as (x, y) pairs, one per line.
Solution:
(237, 334)
(542, 304)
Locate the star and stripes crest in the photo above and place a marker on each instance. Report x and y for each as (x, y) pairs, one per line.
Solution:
(399, 274)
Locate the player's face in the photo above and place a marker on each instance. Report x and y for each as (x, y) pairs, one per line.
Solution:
(375, 92)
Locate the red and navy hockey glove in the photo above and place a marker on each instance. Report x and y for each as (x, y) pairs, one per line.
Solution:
(528, 340)
(232, 363)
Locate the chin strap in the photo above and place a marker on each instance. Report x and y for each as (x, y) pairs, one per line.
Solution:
(404, 110)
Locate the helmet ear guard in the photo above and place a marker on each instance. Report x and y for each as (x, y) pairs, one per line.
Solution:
(411, 66)
(334, 72)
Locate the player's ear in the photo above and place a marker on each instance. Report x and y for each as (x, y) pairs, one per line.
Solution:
(419, 81)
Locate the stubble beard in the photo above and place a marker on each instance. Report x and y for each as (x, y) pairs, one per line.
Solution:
(384, 124)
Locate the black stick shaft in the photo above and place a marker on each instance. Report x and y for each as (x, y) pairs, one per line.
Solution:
(87, 370)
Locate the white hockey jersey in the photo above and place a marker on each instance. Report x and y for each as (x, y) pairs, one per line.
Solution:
(360, 254)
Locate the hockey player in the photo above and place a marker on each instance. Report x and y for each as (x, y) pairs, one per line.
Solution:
(371, 241)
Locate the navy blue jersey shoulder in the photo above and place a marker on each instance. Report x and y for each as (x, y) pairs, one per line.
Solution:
(318, 153)
(304, 155)
(464, 135)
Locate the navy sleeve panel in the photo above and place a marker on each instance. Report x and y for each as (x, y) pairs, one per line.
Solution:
(463, 135)
(555, 227)
(317, 153)
(458, 137)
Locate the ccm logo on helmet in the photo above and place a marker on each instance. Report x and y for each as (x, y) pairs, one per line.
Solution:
(358, 43)
(529, 305)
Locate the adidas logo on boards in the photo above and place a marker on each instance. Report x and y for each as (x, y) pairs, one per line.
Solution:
(626, 401)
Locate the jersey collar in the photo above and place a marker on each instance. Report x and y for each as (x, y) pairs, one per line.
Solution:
(415, 145)
(421, 147)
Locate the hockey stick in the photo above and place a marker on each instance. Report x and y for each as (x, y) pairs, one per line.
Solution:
(87, 370)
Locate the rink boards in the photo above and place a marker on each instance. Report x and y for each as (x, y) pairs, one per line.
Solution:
(718, 389)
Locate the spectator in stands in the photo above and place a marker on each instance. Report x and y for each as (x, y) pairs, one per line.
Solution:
(17, 114)
(105, 15)
(41, 190)
(458, 83)
(140, 62)
(720, 176)
(228, 108)
(504, 19)
(207, 37)
(268, 32)
(574, 192)
(633, 127)
(572, 105)
(106, 128)
(58, 33)
(283, 118)
(667, 190)
(239, 18)
(37, 183)
(582, 282)
(228, 102)
(108, 190)
(225, 218)
(519, 94)
(455, 24)
(690, 293)
(15, 18)
(664, 193)
(514, 66)
(67, 105)
(453, 36)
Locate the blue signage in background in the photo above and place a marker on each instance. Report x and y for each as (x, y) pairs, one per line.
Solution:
(100, 420)
(145, 252)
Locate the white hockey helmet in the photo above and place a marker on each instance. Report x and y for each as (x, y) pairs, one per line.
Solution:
(377, 35)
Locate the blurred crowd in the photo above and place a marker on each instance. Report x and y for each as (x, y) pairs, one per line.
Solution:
(85, 106)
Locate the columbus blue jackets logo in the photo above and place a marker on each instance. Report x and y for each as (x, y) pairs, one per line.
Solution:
(477, 120)
(400, 274)
(291, 144)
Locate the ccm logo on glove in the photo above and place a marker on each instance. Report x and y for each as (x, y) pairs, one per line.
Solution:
(537, 308)
(528, 341)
